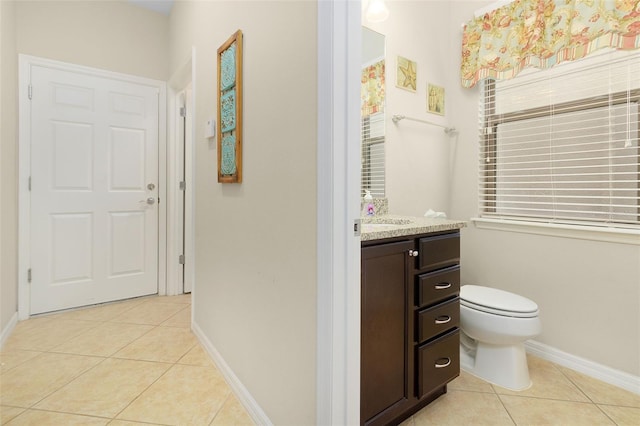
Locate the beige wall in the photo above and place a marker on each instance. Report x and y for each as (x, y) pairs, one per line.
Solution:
(255, 290)
(8, 164)
(111, 35)
(588, 291)
(416, 154)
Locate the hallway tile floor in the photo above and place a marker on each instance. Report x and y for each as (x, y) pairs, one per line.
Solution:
(128, 363)
(137, 363)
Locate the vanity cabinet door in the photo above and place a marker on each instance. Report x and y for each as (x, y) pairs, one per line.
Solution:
(385, 348)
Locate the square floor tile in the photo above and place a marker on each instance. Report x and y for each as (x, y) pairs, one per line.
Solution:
(49, 418)
(163, 344)
(457, 408)
(8, 413)
(181, 319)
(548, 382)
(151, 313)
(33, 323)
(408, 422)
(196, 356)
(128, 423)
(622, 416)
(602, 393)
(46, 334)
(181, 298)
(103, 312)
(469, 382)
(537, 411)
(201, 390)
(13, 358)
(106, 389)
(36, 378)
(103, 340)
(232, 413)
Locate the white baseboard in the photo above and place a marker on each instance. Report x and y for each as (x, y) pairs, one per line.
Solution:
(253, 409)
(6, 332)
(592, 369)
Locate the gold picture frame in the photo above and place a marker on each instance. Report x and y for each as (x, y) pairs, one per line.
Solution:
(435, 99)
(229, 132)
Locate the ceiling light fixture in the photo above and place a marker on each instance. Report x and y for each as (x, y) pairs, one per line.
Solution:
(377, 11)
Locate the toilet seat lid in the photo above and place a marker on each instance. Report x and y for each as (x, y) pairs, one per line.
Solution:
(497, 302)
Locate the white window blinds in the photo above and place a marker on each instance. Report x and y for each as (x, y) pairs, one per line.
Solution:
(561, 145)
(373, 154)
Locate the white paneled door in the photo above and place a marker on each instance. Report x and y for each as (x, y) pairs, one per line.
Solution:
(94, 189)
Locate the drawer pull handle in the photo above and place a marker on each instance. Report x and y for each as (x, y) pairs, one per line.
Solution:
(443, 362)
(443, 319)
(442, 286)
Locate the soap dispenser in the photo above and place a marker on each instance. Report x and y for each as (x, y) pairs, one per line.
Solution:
(368, 209)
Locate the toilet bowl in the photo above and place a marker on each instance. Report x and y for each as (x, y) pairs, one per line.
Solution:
(495, 324)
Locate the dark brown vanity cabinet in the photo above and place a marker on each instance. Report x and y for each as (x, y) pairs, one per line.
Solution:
(410, 316)
(386, 383)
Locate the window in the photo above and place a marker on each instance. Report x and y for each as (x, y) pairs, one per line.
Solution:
(373, 154)
(561, 145)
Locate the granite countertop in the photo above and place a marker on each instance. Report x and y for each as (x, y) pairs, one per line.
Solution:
(390, 226)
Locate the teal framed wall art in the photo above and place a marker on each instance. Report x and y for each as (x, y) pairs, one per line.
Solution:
(230, 110)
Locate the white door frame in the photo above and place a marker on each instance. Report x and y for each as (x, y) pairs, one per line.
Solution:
(338, 341)
(25, 63)
(181, 79)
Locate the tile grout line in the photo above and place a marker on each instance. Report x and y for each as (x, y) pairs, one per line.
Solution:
(173, 364)
(584, 393)
(73, 379)
(590, 401)
(50, 350)
(220, 409)
(573, 383)
(505, 407)
(93, 416)
(150, 384)
(19, 364)
(557, 400)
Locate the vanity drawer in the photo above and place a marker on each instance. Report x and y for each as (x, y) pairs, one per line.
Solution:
(439, 251)
(438, 362)
(438, 319)
(438, 285)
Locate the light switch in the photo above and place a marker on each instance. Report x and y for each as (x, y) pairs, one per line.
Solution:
(210, 128)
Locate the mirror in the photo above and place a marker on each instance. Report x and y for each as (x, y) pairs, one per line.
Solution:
(372, 106)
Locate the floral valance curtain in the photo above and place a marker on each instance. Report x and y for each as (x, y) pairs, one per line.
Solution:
(372, 89)
(543, 33)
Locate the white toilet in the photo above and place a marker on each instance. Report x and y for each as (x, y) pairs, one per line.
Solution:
(495, 325)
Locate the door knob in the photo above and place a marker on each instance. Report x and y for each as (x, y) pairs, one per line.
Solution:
(151, 187)
(149, 201)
